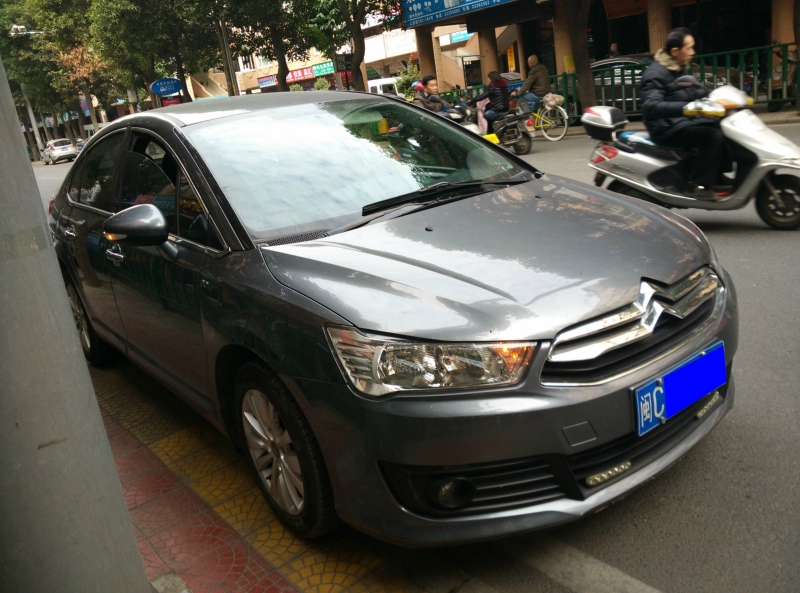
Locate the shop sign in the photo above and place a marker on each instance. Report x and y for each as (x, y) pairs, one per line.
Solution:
(266, 81)
(167, 101)
(460, 36)
(510, 56)
(343, 62)
(395, 67)
(323, 69)
(372, 73)
(399, 42)
(300, 74)
(421, 12)
(166, 86)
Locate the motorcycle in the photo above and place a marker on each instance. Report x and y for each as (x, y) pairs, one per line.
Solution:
(510, 131)
(464, 116)
(640, 168)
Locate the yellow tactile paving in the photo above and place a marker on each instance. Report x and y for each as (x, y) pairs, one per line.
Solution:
(278, 544)
(183, 443)
(194, 467)
(246, 512)
(331, 571)
(223, 484)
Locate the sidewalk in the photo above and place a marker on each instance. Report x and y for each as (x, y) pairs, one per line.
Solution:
(787, 115)
(197, 512)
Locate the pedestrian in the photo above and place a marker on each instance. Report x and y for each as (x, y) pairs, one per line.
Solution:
(427, 95)
(536, 86)
(497, 92)
(613, 51)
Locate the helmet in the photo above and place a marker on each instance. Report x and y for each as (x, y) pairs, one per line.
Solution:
(416, 85)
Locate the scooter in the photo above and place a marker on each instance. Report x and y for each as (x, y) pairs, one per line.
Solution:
(464, 116)
(640, 168)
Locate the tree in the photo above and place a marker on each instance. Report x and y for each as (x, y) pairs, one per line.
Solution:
(321, 84)
(578, 16)
(274, 29)
(295, 88)
(405, 78)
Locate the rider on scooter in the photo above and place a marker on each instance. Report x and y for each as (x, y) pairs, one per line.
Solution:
(498, 93)
(427, 95)
(664, 98)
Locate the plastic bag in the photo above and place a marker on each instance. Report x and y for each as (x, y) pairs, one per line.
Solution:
(552, 100)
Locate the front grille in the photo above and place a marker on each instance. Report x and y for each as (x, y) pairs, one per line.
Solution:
(639, 450)
(498, 486)
(610, 346)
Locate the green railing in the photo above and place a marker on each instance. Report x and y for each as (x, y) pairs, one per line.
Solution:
(768, 74)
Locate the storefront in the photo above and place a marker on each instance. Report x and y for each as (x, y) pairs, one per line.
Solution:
(306, 77)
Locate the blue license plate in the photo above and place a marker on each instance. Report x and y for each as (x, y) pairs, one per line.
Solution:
(662, 398)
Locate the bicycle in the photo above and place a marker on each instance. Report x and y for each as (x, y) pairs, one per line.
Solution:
(552, 121)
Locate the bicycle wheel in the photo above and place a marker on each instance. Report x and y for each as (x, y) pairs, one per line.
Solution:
(554, 122)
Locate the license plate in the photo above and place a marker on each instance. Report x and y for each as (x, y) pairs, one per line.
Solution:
(663, 397)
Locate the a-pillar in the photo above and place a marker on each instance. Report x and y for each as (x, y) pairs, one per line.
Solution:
(659, 23)
(427, 58)
(783, 21)
(487, 43)
(562, 39)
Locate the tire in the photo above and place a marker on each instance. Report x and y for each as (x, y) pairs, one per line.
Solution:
(524, 144)
(268, 415)
(782, 216)
(774, 106)
(95, 349)
(558, 123)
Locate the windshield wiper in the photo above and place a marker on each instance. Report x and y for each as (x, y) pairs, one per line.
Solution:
(438, 189)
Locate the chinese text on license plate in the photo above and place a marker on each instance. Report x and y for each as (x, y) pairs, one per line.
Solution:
(665, 396)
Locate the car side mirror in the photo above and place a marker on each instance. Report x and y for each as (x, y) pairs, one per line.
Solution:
(142, 225)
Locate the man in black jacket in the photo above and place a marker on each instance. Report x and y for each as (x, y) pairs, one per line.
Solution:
(663, 102)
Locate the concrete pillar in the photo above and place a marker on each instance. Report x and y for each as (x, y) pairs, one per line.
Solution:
(783, 20)
(522, 59)
(427, 56)
(487, 42)
(659, 22)
(437, 61)
(562, 39)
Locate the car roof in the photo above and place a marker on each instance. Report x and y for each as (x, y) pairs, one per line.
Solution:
(630, 59)
(209, 109)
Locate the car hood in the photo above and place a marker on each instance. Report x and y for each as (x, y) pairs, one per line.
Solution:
(522, 262)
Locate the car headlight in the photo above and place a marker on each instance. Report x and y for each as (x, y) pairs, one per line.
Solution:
(379, 366)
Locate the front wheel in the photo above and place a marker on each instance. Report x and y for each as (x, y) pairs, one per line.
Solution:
(283, 452)
(555, 123)
(524, 144)
(96, 351)
(774, 106)
(778, 202)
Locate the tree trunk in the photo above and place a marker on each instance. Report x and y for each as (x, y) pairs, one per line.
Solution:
(578, 11)
(186, 98)
(68, 130)
(47, 133)
(226, 65)
(359, 50)
(81, 122)
(280, 57)
(29, 139)
(90, 105)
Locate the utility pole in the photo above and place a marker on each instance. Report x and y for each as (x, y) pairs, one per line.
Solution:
(63, 526)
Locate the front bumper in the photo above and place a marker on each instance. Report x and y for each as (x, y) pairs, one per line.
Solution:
(360, 436)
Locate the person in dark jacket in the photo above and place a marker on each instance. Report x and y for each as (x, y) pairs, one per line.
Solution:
(428, 96)
(498, 93)
(536, 86)
(663, 102)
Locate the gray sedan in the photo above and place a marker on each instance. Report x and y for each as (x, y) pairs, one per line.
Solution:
(401, 326)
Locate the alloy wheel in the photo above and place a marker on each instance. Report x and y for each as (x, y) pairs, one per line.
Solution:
(273, 452)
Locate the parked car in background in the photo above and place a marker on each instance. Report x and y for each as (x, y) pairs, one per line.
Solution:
(79, 144)
(399, 324)
(59, 150)
(383, 86)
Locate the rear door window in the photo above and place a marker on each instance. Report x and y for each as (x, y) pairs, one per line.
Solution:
(97, 174)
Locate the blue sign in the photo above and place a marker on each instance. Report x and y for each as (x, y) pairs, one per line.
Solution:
(459, 36)
(166, 86)
(422, 12)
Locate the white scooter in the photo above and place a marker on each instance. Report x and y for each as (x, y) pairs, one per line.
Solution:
(640, 168)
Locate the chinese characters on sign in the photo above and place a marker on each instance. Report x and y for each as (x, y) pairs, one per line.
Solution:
(652, 406)
(166, 86)
(421, 12)
(323, 69)
(266, 81)
(301, 74)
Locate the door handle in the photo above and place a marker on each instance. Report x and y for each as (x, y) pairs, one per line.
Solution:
(114, 255)
(70, 235)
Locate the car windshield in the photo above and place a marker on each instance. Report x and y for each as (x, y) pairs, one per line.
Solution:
(313, 167)
(59, 143)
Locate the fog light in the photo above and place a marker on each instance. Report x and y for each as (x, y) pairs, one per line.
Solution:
(706, 408)
(451, 493)
(608, 474)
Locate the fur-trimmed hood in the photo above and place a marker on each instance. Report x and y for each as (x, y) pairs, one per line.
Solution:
(666, 60)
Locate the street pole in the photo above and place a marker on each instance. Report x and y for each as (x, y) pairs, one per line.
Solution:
(234, 82)
(63, 525)
(32, 118)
